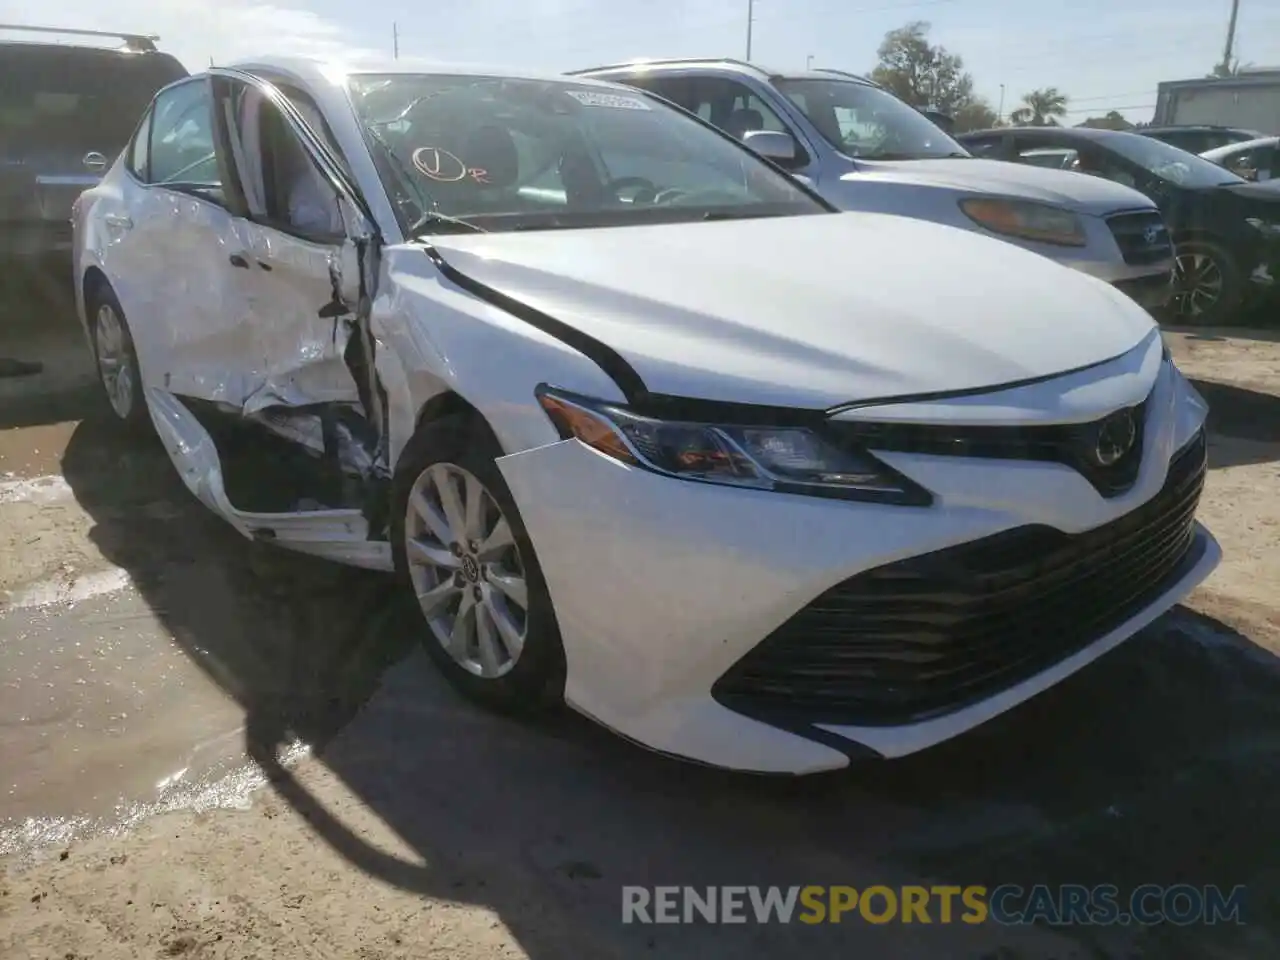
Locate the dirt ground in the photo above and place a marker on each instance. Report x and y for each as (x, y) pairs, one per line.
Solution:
(419, 827)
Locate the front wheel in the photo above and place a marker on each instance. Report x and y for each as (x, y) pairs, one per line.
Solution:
(1208, 286)
(462, 549)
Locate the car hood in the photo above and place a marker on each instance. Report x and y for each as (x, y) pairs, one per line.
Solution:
(809, 311)
(1075, 191)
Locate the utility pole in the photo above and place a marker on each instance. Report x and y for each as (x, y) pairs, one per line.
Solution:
(1231, 38)
(751, 5)
(395, 41)
(1000, 111)
(808, 62)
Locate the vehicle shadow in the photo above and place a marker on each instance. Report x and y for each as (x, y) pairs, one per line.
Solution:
(1244, 424)
(1157, 764)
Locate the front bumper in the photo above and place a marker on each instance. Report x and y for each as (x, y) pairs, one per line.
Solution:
(661, 587)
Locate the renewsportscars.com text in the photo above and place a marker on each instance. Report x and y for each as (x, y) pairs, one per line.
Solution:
(1064, 905)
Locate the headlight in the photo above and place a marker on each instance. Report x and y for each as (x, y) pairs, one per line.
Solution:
(1268, 228)
(1026, 220)
(786, 459)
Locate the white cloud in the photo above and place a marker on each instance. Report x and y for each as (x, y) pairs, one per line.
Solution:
(196, 30)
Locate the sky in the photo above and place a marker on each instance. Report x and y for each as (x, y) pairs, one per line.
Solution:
(1104, 54)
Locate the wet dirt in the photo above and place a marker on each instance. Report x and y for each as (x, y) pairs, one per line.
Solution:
(420, 826)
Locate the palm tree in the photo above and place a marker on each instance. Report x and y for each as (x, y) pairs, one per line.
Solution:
(1041, 108)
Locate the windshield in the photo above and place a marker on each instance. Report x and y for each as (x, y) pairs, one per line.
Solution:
(501, 154)
(1170, 163)
(865, 122)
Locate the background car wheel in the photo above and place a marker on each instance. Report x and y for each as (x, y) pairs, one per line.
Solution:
(1207, 285)
(462, 549)
(116, 359)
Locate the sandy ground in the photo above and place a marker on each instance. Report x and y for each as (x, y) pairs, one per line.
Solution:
(146, 810)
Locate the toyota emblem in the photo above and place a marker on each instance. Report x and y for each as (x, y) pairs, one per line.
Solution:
(1115, 437)
(1151, 235)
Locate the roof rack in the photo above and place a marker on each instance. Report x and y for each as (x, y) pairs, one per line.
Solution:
(135, 42)
(642, 62)
(845, 73)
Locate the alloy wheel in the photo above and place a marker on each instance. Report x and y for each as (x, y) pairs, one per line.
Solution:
(466, 570)
(115, 360)
(1198, 284)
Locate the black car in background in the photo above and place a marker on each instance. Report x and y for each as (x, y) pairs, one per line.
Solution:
(1226, 230)
(1200, 137)
(66, 112)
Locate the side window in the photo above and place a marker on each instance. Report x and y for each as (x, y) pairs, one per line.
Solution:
(988, 147)
(181, 151)
(136, 160)
(315, 120)
(733, 107)
(283, 187)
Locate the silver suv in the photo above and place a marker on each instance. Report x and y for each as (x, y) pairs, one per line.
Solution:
(864, 149)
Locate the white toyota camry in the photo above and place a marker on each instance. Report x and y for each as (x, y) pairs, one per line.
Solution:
(645, 425)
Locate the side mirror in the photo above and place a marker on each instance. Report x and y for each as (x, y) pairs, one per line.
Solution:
(772, 145)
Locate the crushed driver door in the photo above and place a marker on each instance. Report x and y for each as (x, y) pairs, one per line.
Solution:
(298, 238)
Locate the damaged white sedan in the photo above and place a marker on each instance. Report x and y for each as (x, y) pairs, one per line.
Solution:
(645, 425)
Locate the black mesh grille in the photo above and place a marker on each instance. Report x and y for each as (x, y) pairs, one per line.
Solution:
(1142, 237)
(934, 633)
(1070, 444)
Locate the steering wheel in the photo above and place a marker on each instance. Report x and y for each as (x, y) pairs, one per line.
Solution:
(646, 190)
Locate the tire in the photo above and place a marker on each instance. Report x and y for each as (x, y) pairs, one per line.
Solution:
(121, 380)
(530, 681)
(1211, 260)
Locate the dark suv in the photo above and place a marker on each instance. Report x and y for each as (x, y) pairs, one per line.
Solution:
(66, 111)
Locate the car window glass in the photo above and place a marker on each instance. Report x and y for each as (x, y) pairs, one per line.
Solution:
(138, 149)
(181, 141)
(282, 185)
(517, 154)
(81, 99)
(1057, 158)
(984, 147)
(310, 112)
(864, 121)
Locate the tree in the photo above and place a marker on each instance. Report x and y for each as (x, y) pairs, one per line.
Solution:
(975, 115)
(920, 73)
(1114, 120)
(1041, 108)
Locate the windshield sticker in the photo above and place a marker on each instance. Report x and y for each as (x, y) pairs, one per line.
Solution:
(444, 167)
(590, 98)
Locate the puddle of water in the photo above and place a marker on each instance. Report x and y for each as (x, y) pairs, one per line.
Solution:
(24, 839)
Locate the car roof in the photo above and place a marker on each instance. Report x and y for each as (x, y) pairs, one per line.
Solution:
(1240, 147)
(320, 71)
(1193, 128)
(1072, 133)
(724, 63)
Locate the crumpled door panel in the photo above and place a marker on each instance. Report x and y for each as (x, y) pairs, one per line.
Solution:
(298, 353)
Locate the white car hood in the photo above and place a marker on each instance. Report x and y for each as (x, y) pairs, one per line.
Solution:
(1075, 191)
(811, 311)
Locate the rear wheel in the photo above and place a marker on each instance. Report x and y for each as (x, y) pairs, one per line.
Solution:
(462, 549)
(1208, 287)
(116, 359)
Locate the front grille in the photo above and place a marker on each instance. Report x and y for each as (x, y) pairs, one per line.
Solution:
(1071, 444)
(934, 633)
(1143, 238)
